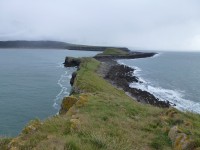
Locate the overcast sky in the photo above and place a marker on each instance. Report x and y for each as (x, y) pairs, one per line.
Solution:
(143, 24)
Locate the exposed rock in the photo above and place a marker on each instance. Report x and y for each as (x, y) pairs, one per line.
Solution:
(75, 90)
(72, 62)
(180, 140)
(183, 142)
(67, 103)
(83, 98)
(75, 124)
(121, 72)
(171, 112)
(32, 126)
(174, 131)
(122, 76)
(73, 78)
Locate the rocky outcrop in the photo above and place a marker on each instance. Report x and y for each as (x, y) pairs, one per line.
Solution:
(121, 72)
(180, 140)
(72, 62)
(67, 103)
(73, 78)
(122, 76)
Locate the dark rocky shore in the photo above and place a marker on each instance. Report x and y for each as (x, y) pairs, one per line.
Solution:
(122, 76)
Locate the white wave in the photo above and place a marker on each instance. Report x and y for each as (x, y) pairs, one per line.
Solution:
(156, 55)
(60, 65)
(64, 83)
(174, 96)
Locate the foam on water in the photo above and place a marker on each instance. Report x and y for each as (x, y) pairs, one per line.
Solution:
(63, 82)
(60, 65)
(156, 55)
(28, 90)
(174, 96)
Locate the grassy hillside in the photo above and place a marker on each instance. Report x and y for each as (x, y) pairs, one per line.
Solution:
(99, 116)
(113, 52)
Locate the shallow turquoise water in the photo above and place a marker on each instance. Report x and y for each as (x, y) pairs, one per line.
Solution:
(32, 84)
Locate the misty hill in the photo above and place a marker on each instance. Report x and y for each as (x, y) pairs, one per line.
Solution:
(33, 44)
(53, 45)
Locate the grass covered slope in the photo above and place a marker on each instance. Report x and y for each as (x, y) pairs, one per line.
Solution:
(99, 116)
(113, 52)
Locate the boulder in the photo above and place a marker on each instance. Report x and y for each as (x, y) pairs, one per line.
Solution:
(72, 62)
(180, 140)
(67, 103)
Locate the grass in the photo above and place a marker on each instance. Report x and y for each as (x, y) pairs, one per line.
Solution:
(105, 118)
(113, 52)
(4, 143)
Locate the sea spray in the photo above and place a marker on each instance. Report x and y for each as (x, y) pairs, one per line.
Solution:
(63, 82)
(174, 96)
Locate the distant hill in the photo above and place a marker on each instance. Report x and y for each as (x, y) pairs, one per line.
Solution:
(33, 44)
(53, 45)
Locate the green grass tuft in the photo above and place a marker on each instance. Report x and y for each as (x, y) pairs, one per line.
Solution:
(113, 52)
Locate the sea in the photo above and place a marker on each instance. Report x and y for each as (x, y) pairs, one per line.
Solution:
(172, 76)
(33, 83)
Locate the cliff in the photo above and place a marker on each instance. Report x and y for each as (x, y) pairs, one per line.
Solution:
(99, 116)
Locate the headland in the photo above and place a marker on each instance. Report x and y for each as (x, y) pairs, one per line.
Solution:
(98, 115)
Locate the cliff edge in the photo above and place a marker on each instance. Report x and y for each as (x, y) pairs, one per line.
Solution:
(98, 115)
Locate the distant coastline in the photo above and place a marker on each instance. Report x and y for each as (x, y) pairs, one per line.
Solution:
(46, 44)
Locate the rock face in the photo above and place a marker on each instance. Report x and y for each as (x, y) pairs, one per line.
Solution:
(73, 78)
(72, 62)
(121, 71)
(67, 103)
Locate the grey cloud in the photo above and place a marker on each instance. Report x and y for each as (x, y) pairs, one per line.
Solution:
(145, 24)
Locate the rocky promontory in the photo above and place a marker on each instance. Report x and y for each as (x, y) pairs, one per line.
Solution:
(97, 115)
(72, 62)
(121, 75)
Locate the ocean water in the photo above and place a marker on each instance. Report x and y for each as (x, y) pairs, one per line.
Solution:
(172, 76)
(32, 85)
